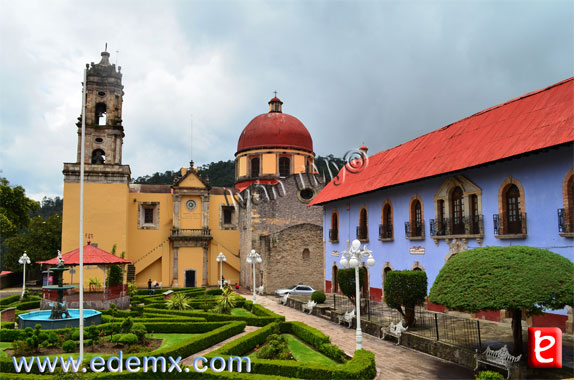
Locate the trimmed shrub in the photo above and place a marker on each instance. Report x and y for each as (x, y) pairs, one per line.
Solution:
(318, 296)
(406, 288)
(128, 339)
(214, 292)
(489, 375)
(7, 325)
(69, 346)
(9, 300)
(346, 280)
(28, 305)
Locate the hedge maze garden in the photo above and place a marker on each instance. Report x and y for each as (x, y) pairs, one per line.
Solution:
(277, 349)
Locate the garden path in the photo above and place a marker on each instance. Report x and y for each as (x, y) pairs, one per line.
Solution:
(393, 362)
(189, 359)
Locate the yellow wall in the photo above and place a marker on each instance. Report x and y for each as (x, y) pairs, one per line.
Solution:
(187, 218)
(152, 241)
(299, 163)
(269, 164)
(190, 258)
(105, 219)
(225, 241)
(242, 166)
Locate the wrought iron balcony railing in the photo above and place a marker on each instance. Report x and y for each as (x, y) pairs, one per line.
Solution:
(509, 225)
(414, 229)
(565, 221)
(468, 225)
(362, 233)
(191, 232)
(334, 234)
(385, 231)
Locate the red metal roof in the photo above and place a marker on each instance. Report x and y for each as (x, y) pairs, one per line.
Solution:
(275, 130)
(534, 121)
(92, 256)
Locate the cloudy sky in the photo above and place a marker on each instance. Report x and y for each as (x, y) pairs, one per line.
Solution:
(354, 72)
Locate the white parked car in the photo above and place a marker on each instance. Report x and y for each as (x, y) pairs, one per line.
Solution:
(295, 289)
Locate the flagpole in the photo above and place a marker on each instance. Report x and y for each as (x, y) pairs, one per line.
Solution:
(82, 159)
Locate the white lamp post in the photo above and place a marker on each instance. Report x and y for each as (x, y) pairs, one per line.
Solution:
(353, 256)
(253, 258)
(24, 259)
(220, 259)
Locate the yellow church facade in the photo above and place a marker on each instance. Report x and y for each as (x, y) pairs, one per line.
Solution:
(171, 233)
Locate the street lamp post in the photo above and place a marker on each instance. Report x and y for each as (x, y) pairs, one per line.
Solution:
(24, 259)
(220, 259)
(253, 258)
(353, 257)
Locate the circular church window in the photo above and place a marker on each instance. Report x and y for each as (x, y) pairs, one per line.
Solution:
(101, 93)
(190, 204)
(306, 194)
(99, 139)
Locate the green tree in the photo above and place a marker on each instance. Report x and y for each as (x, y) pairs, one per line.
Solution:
(41, 240)
(404, 289)
(115, 274)
(346, 281)
(49, 207)
(514, 278)
(15, 209)
(219, 174)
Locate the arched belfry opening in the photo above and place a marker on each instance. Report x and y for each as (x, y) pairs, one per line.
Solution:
(101, 114)
(98, 157)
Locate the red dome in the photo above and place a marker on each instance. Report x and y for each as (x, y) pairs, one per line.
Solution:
(275, 130)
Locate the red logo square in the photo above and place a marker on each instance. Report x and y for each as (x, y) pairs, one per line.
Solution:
(544, 347)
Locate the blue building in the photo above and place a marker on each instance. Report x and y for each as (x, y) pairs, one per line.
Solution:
(503, 176)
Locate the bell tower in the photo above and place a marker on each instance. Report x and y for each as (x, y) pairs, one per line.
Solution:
(106, 180)
(104, 130)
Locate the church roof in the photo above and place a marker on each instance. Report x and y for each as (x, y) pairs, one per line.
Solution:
(534, 121)
(275, 130)
(92, 256)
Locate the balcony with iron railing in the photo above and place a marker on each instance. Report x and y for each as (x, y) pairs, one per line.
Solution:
(334, 235)
(458, 227)
(510, 227)
(190, 234)
(415, 230)
(385, 232)
(566, 222)
(362, 233)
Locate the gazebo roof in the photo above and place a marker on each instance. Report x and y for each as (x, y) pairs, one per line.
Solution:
(92, 256)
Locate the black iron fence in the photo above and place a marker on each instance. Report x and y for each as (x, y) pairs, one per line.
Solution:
(467, 225)
(385, 231)
(457, 331)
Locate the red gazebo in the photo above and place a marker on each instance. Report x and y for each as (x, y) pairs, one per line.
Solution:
(92, 256)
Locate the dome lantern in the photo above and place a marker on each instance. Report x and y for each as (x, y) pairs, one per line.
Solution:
(275, 104)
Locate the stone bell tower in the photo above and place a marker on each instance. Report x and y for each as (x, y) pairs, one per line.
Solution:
(106, 180)
(104, 129)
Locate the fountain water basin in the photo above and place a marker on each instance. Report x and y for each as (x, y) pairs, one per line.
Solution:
(42, 317)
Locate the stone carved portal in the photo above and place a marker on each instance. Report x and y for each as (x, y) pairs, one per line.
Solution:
(455, 246)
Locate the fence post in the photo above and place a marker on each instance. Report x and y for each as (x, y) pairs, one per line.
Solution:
(478, 329)
(335, 301)
(436, 325)
(369, 308)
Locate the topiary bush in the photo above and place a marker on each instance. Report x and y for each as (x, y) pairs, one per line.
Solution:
(406, 289)
(69, 346)
(346, 280)
(489, 375)
(318, 296)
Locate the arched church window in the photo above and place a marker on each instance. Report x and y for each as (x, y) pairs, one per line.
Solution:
(101, 114)
(415, 226)
(386, 229)
(334, 231)
(284, 166)
(98, 157)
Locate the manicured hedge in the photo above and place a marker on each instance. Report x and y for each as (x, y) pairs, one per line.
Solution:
(7, 325)
(144, 292)
(361, 366)
(28, 305)
(10, 299)
(315, 338)
(213, 317)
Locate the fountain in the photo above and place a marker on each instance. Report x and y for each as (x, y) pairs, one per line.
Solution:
(59, 316)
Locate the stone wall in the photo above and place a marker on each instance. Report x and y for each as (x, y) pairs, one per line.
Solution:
(266, 212)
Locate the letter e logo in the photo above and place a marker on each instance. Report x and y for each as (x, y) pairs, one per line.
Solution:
(544, 347)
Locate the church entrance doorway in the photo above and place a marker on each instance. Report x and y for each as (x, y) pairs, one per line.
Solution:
(190, 278)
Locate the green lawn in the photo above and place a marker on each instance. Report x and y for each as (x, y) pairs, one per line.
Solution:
(241, 312)
(302, 352)
(3, 346)
(170, 339)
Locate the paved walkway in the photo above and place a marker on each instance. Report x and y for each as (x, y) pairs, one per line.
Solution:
(189, 359)
(393, 362)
